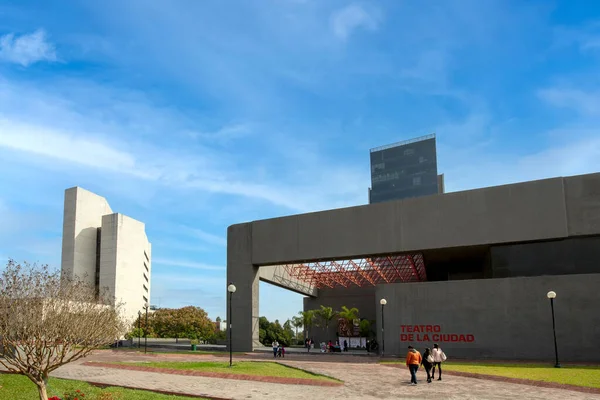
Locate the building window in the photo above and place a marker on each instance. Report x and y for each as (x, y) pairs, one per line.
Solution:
(146, 255)
(145, 266)
(145, 288)
(145, 277)
(378, 167)
(145, 299)
(416, 180)
(409, 152)
(422, 159)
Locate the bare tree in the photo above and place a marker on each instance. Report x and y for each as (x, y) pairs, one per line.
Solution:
(47, 321)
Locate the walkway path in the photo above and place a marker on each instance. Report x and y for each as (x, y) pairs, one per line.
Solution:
(362, 380)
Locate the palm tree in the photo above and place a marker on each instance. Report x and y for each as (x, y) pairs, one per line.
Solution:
(349, 314)
(326, 314)
(297, 323)
(308, 320)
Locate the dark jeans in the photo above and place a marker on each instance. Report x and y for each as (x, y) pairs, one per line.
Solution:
(427, 367)
(275, 352)
(439, 365)
(413, 372)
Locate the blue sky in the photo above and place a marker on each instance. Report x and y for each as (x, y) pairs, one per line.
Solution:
(194, 115)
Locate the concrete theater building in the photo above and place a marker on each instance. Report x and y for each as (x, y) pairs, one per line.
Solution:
(108, 250)
(469, 270)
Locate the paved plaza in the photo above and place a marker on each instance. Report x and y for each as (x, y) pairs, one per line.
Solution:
(363, 379)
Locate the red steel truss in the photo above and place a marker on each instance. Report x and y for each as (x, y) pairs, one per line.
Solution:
(361, 272)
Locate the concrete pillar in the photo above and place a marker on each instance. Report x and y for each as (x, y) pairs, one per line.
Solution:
(245, 277)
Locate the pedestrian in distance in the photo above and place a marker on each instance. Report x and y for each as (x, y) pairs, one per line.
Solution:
(438, 358)
(275, 348)
(413, 360)
(427, 363)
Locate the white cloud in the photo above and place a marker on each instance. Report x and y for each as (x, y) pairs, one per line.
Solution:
(591, 43)
(585, 37)
(27, 49)
(224, 135)
(207, 237)
(346, 20)
(585, 102)
(187, 264)
(65, 146)
(179, 246)
(77, 123)
(186, 279)
(153, 164)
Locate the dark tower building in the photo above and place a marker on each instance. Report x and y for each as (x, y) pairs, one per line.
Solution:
(405, 169)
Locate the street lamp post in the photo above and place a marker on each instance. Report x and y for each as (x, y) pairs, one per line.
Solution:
(139, 328)
(231, 289)
(552, 295)
(146, 306)
(383, 302)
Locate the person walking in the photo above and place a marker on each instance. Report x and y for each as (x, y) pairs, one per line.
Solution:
(413, 360)
(438, 358)
(427, 362)
(275, 348)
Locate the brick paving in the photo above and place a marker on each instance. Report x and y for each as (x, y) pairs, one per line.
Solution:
(362, 380)
(551, 385)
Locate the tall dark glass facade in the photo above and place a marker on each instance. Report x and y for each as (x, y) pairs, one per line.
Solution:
(403, 170)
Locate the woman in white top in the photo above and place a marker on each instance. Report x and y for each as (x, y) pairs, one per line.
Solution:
(275, 348)
(438, 358)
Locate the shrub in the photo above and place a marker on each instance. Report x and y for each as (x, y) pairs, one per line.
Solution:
(74, 395)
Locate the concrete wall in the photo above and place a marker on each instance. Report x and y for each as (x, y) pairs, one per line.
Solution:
(123, 263)
(530, 211)
(361, 298)
(548, 209)
(579, 255)
(83, 211)
(123, 241)
(582, 195)
(509, 318)
(245, 276)
(277, 275)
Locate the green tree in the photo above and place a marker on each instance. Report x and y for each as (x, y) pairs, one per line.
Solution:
(289, 332)
(349, 314)
(48, 320)
(296, 323)
(346, 320)
(308, 321)
(270, 331)
(187, 322)
(325, 315)
(365, 328)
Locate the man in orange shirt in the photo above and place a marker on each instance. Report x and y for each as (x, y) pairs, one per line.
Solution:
(413, 360)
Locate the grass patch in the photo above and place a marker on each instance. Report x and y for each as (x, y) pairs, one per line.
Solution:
(253, 368)
(197, 352)
(577, 375)
(18, 387)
